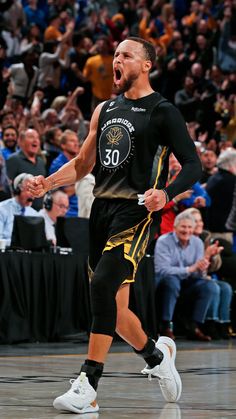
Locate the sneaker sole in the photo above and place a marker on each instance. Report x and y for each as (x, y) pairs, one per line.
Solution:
(68, 407)
(173, 369)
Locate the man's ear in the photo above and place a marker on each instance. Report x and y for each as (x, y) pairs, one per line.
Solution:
(147, 65)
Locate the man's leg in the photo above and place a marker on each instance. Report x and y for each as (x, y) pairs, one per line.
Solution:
(110, 273)
(160, 357)
(128, 326)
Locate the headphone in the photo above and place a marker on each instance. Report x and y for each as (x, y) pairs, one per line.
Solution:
(48, 201)
(17, 183)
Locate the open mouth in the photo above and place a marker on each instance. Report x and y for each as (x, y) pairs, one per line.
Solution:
(117, 76)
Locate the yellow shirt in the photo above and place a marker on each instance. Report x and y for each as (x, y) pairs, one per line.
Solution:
(98, 70)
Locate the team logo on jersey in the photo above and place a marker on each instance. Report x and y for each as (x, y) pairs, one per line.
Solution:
(115, 147)
(114, 135)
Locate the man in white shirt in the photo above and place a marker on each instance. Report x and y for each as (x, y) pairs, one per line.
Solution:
(20, 204)
(56, 204)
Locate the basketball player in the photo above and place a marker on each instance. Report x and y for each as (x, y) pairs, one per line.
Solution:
(127, 148)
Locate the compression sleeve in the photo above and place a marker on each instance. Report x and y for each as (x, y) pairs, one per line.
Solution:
(174, 134)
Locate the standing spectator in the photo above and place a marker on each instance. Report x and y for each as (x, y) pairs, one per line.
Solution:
(226, 47)
(53, 31)
(98, 70)
(78, 57)
(35, 15)
(70, 147)
(23, 75)
(27, 159)
(13, 22)
(188, 100)
(3, 82)
(9, 138)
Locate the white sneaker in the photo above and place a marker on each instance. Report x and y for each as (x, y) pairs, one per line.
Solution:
(81, 398)
(169, 379)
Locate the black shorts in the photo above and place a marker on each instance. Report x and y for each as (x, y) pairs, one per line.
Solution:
(120, 223)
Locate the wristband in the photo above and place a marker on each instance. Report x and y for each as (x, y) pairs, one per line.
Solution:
(166, 195)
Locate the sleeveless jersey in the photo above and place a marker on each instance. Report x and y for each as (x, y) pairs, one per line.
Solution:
(131, 155)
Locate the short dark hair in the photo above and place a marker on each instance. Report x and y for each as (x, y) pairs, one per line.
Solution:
(147, 46)
(9, 127)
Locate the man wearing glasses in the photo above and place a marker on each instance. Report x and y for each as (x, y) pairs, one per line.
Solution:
(56, 204)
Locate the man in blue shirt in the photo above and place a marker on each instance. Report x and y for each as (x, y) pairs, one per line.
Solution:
(70, 148)
(20, 204)
(9, 138)
(180, 267)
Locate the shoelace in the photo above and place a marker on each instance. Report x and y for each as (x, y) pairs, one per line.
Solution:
(159, 377)
(77, 386)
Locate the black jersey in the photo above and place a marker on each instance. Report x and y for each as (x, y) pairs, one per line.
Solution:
(134, 140)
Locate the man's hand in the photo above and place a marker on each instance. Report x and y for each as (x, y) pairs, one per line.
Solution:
(38, 186)
(154, 199)
(213, 249)
(201, 266)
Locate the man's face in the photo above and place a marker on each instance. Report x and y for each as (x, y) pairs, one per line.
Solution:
(128, 64)
(10, 138)
(72, 145)
(208, 159)
(8, 119)
(25, 197)
(31, 143)
(184, 230)
(60, 205)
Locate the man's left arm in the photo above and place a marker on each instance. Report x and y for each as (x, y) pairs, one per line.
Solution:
(176, 136)
(172, 129)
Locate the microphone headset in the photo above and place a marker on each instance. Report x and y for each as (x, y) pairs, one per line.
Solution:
(48, 201)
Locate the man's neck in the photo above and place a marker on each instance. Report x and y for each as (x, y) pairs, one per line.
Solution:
(31, 157)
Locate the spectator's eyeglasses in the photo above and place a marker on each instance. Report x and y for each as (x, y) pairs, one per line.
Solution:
(62, 206)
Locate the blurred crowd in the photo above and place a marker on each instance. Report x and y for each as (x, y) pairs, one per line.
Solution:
(56, 66)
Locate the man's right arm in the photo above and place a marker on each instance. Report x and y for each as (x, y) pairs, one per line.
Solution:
(75, 169)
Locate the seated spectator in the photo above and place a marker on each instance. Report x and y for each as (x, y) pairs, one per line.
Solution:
(220, 187)
(20, 204)
(56, 204)
(180, 268)
(27, 159)
(70, 147)
(9, 138)
(218, 315)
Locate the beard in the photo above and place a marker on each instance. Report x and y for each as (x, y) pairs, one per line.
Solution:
(125, 85)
